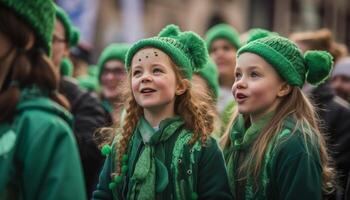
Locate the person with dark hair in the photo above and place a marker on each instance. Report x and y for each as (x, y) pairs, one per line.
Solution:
(85, 106)
(38, 154)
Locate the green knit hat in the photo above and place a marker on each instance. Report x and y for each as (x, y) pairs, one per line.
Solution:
(289, 62)
(71, 33)
(186, 49)
(211, 75)
(39, 15)
(223, 31)
(257, 33)
(112, 52)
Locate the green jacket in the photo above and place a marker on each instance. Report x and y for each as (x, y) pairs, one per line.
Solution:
(291, 168)
(39, 158)
(188, 172)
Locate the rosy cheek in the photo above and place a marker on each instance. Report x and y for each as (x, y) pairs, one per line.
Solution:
(134, 85)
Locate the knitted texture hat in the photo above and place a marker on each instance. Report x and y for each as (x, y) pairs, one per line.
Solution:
(112, 52)
(257, 33)
(211, 75)
(289, 62)
(71, 33)
(223, 31)
(186, 49)
(39, 15)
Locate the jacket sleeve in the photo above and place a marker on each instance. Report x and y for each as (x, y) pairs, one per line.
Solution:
(49, 160)
(297, 174)
(212, 176)
(102, 191)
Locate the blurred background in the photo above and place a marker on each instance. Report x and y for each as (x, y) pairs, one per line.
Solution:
(102, 22)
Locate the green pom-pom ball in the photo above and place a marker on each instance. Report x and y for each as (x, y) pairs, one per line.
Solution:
(319, 65)
(118, 179)
(125, 158)
(124, 169)
(112, 185)
(106, 149)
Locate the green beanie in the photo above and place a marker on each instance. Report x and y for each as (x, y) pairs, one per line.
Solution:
(223, 31)
(257, 33)
(39, 15)
(71, 33)
(211, 75)
(289, 62)
(112, 52)
(186, 49)
(66, 67)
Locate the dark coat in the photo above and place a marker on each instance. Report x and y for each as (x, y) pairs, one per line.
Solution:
(88, 117)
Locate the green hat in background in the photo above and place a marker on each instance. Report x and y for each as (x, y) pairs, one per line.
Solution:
(112, 52)
(39, 15)
(71, 33)
(257, 33)
(223, 31)
(294, 67)
(186, 49)
(211, 75)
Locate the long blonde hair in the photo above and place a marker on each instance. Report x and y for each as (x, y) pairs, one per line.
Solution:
(297, 105)
(197, 115)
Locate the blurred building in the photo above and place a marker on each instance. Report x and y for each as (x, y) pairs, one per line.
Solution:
(129, 20)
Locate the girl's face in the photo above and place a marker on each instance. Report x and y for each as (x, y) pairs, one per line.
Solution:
(153, 79)
(258, 87)
(224, 55)
(113, 77)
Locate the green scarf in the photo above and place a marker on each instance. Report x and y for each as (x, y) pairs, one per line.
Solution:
(150, 174)
(241, 140)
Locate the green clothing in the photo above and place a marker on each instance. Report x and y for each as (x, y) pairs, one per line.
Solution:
(39, 158)
(291, 168)
(165, 163)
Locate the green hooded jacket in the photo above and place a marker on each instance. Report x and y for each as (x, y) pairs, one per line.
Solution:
(39, 159)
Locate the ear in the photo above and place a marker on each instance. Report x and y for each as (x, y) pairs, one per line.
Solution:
(284, 90)
(182, 87)
(30, 43)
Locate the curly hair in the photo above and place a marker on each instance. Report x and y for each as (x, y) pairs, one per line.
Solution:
(197, 114)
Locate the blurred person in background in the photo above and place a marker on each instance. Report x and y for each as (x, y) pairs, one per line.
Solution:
(39, 158)
(341, 78)
(222, 43)
(112, 76)
(85, 106)
(207, 80)
(332, 110)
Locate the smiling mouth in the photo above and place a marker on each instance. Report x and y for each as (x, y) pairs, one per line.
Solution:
(147, 90)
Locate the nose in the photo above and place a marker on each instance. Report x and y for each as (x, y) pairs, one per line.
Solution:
(238, 84)
(146, 78)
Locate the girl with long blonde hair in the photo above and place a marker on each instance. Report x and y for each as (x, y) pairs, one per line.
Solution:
(274, 149)
(163, 149)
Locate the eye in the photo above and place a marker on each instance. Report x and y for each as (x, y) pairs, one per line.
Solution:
(238, 75)
(254, 74)
(136, 73)
(157, 71)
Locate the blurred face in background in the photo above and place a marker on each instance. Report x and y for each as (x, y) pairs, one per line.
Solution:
(341, 85)
(113, 77)
(59, 44)
(224, 56)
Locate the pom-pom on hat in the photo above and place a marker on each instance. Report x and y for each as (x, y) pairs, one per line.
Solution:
(71, 33)
(186, 49)
(112, 52)
(294, 67)
(223, 31)
(211, 75)
(39, 15)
